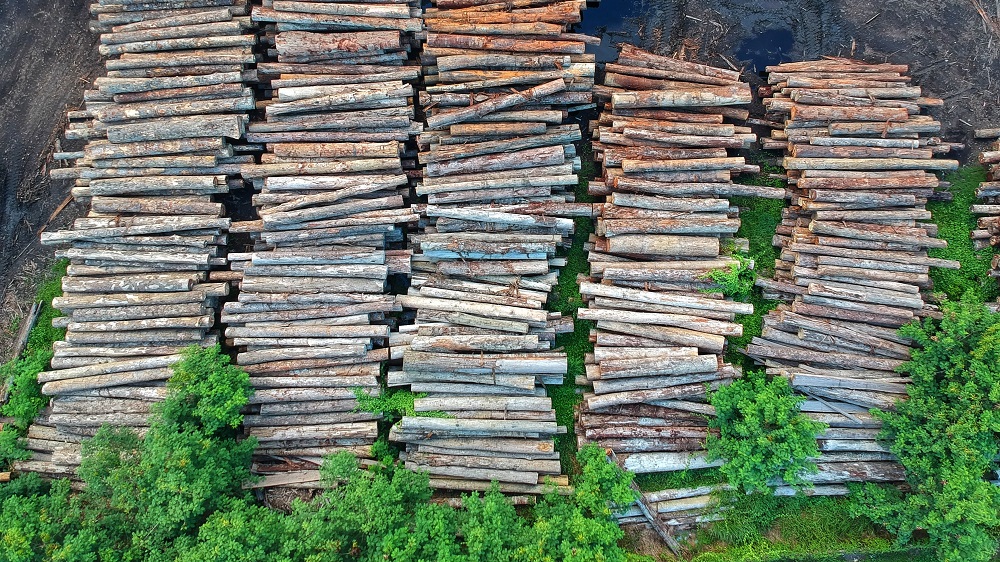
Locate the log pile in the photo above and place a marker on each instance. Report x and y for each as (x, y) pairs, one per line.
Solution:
(499, 167)
(987, 233)
(159, 131)
(311, 319)
(853, 266)
(661, 322)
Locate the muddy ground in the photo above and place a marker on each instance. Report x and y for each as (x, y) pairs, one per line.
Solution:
(48, 55)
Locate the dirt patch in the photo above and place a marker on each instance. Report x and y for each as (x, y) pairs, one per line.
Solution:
(48, 56)
(950, 50)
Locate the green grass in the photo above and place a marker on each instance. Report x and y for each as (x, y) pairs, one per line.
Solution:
(766, 528)
(955, 222)
(567, 300)
(675, 480)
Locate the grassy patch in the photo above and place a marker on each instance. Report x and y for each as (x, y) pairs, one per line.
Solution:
(766, 528)
(567, 300)
(683, 479)
(955, 222)
(26, 399)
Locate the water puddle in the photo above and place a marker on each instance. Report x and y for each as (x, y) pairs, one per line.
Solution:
(615, 22)
(769, 48)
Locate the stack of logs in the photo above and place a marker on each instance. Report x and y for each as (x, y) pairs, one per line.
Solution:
(661, 322)
(310, 319)
(860, 161)
(987, 233)
(499, 168)
(158, 129)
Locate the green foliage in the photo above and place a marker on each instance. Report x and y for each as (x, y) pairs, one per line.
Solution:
(945, 435)
(242, 532)
(955, 222)
(580, 528)
(759, 218)
(33, 524)
(492, 527)
(207, 391)
(737, 281)
(762, 434)
(144, 498)
(393, 403)
(175, 496)
(12, 447)
(746, 518)
(588, 171)
(753, 326)
(26, 398)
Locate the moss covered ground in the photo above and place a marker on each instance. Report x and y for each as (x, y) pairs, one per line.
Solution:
(759, 219)
(955, 222)
(566, 299)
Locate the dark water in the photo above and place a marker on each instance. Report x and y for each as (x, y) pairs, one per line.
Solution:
(615, 22)
(751, 34)
(769, 48)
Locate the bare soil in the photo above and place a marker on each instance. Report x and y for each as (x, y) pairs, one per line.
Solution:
(47, 56)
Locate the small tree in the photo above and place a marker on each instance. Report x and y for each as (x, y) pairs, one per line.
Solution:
(762, 433)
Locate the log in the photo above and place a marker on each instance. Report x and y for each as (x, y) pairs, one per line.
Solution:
(645, 463)
(86, 383)
(694, 97)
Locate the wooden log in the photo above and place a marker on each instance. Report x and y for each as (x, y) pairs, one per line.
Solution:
(699, 97)
(658, 366)
(664, 245)
(644, 463)
(416, 429)
(841, 360)
(503, 44)
(690, 322)
(67, 386)
(792, 163)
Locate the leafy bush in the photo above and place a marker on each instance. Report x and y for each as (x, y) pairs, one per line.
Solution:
(945, 435)
(144, 498)
(762, 434)
(580, 528)
(175, 496)
(206, 391)
(737, 281)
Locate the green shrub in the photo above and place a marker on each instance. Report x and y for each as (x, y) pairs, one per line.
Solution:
(737, 281)
(945, 435)
(762, 434)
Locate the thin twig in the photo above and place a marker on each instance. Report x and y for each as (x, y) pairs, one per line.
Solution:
(991, 23)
